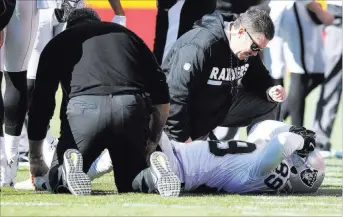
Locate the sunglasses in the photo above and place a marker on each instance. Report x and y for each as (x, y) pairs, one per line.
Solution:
(253, 46)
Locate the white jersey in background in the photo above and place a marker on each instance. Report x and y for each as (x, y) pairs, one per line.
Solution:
(257, 165)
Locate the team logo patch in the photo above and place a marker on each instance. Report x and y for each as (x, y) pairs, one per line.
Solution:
(187, 66)
(309, 177)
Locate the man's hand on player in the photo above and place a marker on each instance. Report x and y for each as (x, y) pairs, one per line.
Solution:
(277, 93)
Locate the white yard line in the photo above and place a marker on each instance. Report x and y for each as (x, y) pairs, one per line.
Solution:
(40, 204)
(251, 207)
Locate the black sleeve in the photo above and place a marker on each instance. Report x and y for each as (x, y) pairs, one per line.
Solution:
(43, 97)
(257, 79)
(155, 79)
(6, 12)
(184, 74)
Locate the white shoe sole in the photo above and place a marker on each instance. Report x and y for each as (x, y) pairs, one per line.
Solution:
(168, 184)
(78, 182)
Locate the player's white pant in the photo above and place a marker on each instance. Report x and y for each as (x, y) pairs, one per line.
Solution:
(174, 14)
(48, 28)
(291, 50)
(20, 34)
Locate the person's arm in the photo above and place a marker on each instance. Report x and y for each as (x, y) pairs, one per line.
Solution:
(283, 141)
(280, 147)
(156, 87)
(43, 98)
(257, 79)
(119, 12)
(324, 16)
(184, 71)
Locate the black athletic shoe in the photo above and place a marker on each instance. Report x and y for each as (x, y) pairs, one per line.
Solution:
(77, 181)
(166, 181)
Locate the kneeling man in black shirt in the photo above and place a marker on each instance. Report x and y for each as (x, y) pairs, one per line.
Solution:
(115, 96)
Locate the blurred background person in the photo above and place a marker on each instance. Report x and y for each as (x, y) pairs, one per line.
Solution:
(6, 12)
(331, 90)
(297, 46)
(19, 38)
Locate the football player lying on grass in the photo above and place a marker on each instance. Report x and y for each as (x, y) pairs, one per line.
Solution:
(276, 157)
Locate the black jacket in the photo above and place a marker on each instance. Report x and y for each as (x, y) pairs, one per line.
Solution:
(202, 81)
(6, 11)
(95, 58)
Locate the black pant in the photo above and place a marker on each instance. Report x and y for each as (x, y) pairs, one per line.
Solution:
(301, 85)
(118, 123)
(249, 108)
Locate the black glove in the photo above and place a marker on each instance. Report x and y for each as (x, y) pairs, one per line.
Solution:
(309, 139)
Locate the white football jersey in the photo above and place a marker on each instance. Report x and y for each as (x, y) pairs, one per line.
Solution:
(236, 166)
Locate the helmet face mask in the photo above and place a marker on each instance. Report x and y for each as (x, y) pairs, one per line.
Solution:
(307, 174)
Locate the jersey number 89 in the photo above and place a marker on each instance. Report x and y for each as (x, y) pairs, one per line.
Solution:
(278, 178)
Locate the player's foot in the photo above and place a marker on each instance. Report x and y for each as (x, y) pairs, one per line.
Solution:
(38, 167)
(166, 181)
(25, 185)
(77, 181)
(100, 166)
(5, 176)
(40, 183)
(67, 7)
(5, 172)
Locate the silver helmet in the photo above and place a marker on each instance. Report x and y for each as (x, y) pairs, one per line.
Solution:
(307, 174)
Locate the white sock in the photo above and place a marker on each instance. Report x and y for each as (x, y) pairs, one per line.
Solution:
(49, 137)
(5, 176)
(100, 166)
(3, 156)
(12, 147)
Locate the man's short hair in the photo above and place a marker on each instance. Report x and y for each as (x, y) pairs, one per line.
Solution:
(82, 15)
(256, 21)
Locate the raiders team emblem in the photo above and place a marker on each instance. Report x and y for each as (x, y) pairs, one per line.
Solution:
(309, 176)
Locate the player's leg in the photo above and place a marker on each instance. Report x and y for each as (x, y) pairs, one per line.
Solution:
(161, 30)
(173, 22)
(295, 102)
(331, 91)
(5, 176)
(20, 34)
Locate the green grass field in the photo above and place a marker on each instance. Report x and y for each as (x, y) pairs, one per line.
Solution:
(106, 202)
